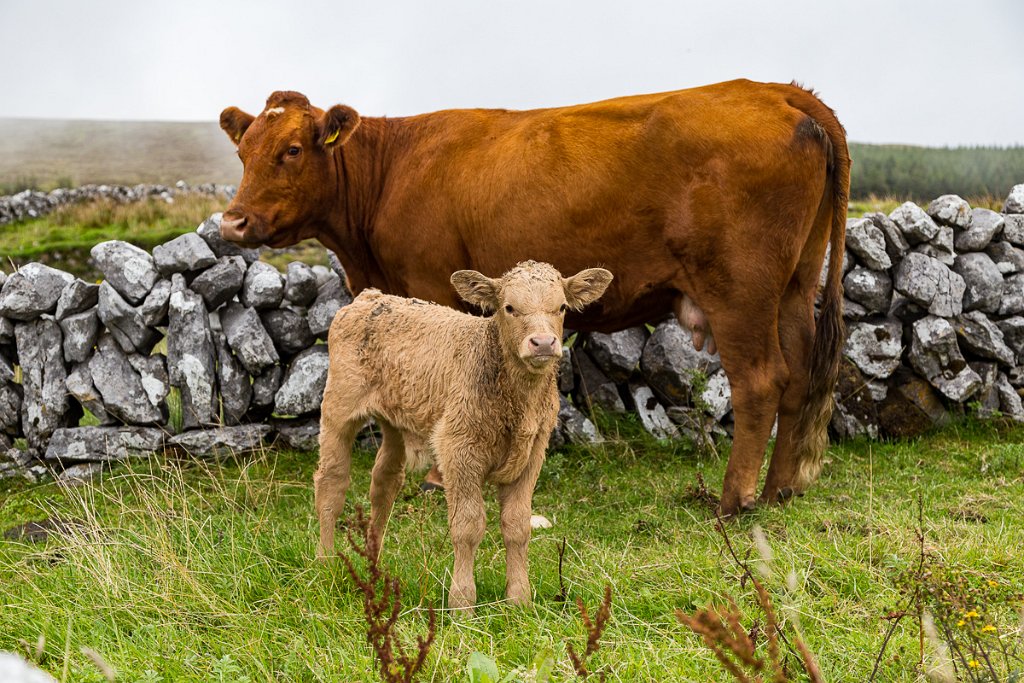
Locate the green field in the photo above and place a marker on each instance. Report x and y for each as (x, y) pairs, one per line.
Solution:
(192, 571)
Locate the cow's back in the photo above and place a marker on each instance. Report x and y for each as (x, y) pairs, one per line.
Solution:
(640, 185)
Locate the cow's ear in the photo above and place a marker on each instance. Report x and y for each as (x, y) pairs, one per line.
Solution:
(337, 125)
(476, 288)
(235, 122)
(585, 287)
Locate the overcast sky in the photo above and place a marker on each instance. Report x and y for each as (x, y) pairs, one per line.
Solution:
(924, 72)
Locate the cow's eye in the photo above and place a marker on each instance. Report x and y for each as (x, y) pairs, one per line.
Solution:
(293, 151)
(509, 309)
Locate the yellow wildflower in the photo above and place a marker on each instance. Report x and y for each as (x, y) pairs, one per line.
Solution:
(992, 583)
(961, 622)
(974, 664)
(971, 615)
(988, 628)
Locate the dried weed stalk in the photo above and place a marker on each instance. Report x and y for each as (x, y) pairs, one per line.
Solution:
(382, 607)
(721, 628)
(595, 628)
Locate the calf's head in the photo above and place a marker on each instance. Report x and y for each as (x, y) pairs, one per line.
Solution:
(289, 174)
(529, 304)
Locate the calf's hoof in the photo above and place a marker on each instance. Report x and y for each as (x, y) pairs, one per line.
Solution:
(734, 506)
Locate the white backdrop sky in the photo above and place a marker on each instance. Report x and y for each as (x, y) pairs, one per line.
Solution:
(923, 72)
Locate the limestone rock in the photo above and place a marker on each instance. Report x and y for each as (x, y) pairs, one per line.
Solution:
(940, 247)
(930, 284)
(985, 224)
(80, 473)
(855, 413)
(10, 409)
(330, 296)
(983, 283)
(219, 283)
(248, 338)
(935, 355)
(44, 406)
(1008, 258)
(566, 380)
(1015, 200)
(302, 390)
(222, 440)
(670, 363)
(32, 291)
(121, 386)
(914, 223)
(124, 321)
(1009, 400)
(652, 414)
(618, 353)
(716, 399)
(875, 347)
(870, 288)
(867, 242)
(183, 253)
(103, 444)
(234, 383)
(154, 308)
(1013, 334)
(896, 244)
(300, 435)
(981, 336)
(156, 383)
(80, 333)
(911, 408)
(190, 358)
(127, 269)
(595, 388)
(300, 287)
(288, 330)
(77, 296)
(1013, 229)
(264, 389)
(950, 209)
(80, 386)
(1012, 302)
(574, 425)
(262, 287)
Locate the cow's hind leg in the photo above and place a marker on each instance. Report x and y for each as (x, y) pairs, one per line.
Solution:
(388, 477)
(333, 474)
(748, 341)
(796, 334)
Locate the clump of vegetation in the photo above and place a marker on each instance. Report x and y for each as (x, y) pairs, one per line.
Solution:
(382, 607)
(595, 628)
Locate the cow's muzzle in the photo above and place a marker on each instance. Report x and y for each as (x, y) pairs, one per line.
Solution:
(233, 229)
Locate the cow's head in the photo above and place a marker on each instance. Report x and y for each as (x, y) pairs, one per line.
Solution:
(529, 304)
(289, 180)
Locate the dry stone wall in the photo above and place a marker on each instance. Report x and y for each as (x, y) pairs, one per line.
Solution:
(934, 307)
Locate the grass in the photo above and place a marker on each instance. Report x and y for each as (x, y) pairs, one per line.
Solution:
(63, 238)
(193, 571)
(886, 204)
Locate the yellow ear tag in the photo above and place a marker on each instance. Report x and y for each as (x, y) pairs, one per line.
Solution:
(332, 137)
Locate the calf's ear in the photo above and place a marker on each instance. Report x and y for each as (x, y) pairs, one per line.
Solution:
(235, 122)
(476, 288)
(337, 125)
(585, 287)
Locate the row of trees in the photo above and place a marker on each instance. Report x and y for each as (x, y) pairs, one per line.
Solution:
(923, 173)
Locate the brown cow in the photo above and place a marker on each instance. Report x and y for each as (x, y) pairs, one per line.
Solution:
(480, 392)
(715, 203)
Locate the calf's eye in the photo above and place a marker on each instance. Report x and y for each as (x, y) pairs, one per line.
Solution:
(509, 309)
(293, 151)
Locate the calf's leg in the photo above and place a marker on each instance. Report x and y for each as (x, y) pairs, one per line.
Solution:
(333, 475)
(516, 503)
(467, 519)
(387, 479)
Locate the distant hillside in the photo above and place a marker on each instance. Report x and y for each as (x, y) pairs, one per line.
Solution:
(43, 153)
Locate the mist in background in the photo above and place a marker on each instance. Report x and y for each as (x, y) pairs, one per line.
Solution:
(928, 73)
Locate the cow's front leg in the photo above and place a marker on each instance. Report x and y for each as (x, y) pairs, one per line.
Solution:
(516, 504)
(466, 519)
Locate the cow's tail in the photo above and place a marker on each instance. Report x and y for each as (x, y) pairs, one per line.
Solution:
(811, 433)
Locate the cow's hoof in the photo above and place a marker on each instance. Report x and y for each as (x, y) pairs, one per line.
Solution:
(784, 494)
(727, 510)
